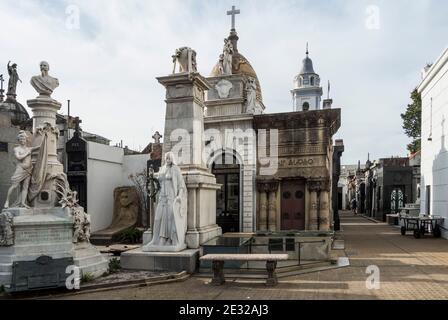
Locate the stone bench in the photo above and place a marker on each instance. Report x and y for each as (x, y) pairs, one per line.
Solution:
(218, 261)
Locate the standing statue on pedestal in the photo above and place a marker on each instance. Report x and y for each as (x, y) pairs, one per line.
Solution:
(13, 79)
(44, 84)
(252, 105)
(170, 222)
(21, 177)
(221, 64)
(228, 57)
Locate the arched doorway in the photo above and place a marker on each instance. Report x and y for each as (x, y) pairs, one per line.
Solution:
(227, 170)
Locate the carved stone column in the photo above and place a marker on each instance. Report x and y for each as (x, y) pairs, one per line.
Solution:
(315, 187)
(313, 223)
(263, 211)
(272, 212)
(272, 187)
(324, 211)
(267, 220)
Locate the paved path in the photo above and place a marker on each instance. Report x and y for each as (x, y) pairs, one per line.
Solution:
(409, 269)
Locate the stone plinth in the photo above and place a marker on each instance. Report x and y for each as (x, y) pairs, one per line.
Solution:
(186, 260)
(36, 233)
(47, 232)
(202, 225)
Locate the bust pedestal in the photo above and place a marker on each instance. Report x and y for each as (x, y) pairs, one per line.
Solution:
(44, 113)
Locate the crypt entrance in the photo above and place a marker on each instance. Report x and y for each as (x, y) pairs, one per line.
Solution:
(227, 170)
(293, 205)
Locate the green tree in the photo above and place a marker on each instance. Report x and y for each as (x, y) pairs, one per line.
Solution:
(412, 121)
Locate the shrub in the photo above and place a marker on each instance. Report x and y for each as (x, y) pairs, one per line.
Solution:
(86, 277)
(130, 236)
(114, 265)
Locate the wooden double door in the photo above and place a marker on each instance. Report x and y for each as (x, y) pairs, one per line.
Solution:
(293, 205)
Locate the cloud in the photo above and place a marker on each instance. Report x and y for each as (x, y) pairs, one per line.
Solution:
(108, 67)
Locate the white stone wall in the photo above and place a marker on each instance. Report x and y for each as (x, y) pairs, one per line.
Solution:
(105, 173)
(108, 168)
(247, 155)
(133, 164)
(434, 165)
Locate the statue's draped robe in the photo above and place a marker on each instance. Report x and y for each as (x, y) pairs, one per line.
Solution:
(39, 170)
(228, 58)
(251, 97)
(170, 222)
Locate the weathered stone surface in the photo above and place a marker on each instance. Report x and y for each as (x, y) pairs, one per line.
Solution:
(161, 261)
(126, 212)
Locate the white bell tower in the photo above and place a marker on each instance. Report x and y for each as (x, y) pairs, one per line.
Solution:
(307, 92)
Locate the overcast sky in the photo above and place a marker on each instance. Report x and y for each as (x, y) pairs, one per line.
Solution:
(371, 51)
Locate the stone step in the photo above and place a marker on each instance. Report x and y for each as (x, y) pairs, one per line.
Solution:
(5, 259)
(5, 267)
(5, 278)
(92, 259)
(96, 269)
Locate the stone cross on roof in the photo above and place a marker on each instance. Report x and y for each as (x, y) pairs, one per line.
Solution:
(77, 121)
(157, 136)
(233, 13)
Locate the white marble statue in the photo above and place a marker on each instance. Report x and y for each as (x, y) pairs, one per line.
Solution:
(170, 222)
(24, 169)
(185, 57)
(251, 91)
(44, 84)
(221, 64)
(228, 57)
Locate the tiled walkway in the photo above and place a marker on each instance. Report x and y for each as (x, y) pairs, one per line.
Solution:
(409, 269)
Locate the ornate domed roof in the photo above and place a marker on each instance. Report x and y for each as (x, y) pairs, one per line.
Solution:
(307, 66)
(307, 63)
(240, 65)
(17, 113)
